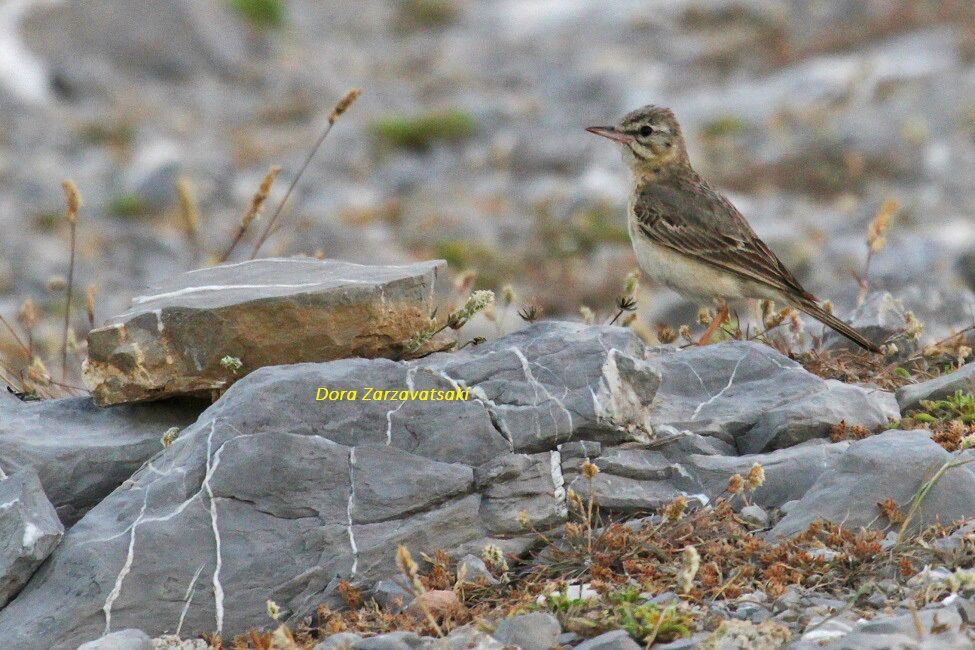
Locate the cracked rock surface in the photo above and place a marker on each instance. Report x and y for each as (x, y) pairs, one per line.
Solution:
(29, 530)
(274, 495)
(173, 340)
(756, 399)
(82, 452)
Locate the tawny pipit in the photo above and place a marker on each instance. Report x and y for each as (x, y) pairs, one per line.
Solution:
(692, 239)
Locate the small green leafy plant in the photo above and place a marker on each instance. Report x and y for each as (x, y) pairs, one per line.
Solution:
(261, 14)
(959, 406)
(420, 132)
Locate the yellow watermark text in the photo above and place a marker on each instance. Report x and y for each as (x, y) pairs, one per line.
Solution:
(371, 394)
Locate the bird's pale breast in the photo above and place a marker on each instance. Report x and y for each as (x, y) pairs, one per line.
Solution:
(687, 276)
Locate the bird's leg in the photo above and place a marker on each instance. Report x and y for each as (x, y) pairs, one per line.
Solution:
(719, 319)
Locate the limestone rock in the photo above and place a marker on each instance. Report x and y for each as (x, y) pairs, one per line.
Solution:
(756, 399)
(909, 397)
(82, 452)
(29, 530)
(121, 640)
(891, 465)
(535, 631)
(274, 495)
(177, 339)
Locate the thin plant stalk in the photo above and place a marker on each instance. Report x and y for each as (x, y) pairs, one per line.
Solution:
(73, 199)
(257, 202)
(922, 493)
(341, 107)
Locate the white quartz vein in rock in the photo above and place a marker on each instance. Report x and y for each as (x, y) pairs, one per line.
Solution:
(717, 395)
(536, 386)
(188, 598)
(348, 511)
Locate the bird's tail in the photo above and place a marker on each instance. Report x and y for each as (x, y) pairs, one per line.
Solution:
(830, 320)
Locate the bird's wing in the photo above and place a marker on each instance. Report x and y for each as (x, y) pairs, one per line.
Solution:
(699, 223)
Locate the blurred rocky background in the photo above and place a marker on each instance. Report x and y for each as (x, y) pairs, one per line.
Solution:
(468, 143)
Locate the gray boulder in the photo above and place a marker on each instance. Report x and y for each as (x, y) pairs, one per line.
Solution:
(172, 39)
(891, 465)
(756, 399)
(340, 641)
(910, 397)
(29, 530)
(615, 640)
(789, 473)
(471, 568)
(389, 641)
(82, 452)
(881, 318)
(272, 494)
(122, 640)
(535, 631)
(176, 339)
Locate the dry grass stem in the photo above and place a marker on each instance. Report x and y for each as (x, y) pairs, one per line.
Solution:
(73, 199)
(341, 107)
(253, 211)
(189, 214)
(90, 293)
(876, 240)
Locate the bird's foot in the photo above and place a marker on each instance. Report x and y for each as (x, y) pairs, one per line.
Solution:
(719, 319)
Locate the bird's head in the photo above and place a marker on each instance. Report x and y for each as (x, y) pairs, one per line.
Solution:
(650, 137)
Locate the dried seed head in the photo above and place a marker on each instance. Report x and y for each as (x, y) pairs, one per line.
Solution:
(90, 293)
(704, 316)
(877, 229)
(755, 478)
(524, 520)
(405, 563)
(343, 104)
(675, 509)
(589, 470)
(257, 201)
(684, 332)
(666, 334)
(690, 564)
(73, 199)
(27, 315)
(736, 484)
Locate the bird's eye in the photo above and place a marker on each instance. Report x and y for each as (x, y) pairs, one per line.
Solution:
(646, 131)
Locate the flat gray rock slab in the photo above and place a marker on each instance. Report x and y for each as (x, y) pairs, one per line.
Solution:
(82, 452)
(756, 399)
(963, 379)
(29, 530)
(272, 494)
(535, 631)
(890, 465)
(264, 312)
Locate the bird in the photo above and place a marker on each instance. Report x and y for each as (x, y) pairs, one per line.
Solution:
(690, 238)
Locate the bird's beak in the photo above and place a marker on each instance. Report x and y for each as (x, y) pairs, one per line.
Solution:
(611, 133)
